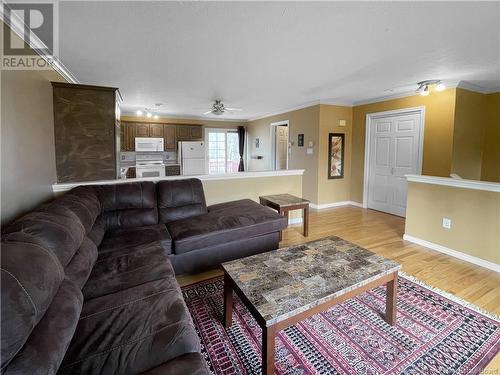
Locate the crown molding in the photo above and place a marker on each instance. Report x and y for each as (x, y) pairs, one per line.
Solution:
(180, 117)
(476, 88)
(18, 26)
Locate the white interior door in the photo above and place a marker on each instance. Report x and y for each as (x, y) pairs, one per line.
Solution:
(281, 148)
(394, 152)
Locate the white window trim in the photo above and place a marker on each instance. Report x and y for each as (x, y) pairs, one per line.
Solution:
(217, 130)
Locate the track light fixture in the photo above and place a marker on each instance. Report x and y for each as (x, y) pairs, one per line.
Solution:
(150, 113)
(423, 86)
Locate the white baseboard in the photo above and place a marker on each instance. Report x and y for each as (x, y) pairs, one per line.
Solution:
(334, 204)
(295, 220)
(454, 253)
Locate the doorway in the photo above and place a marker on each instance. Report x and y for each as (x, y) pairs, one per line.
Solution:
(280, 139)
(393, 149)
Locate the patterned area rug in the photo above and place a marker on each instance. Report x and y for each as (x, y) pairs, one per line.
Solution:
(435, 334)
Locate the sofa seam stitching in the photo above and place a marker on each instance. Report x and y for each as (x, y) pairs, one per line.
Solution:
(123, 305)
(23, 288)
(128, 343)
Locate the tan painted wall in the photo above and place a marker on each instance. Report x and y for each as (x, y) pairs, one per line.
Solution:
(334, 190)
(28, 155)
(438, 134)
(490, 170)
(475, 216)
(304, 121)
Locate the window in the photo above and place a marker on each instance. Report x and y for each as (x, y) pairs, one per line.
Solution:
(223, 154)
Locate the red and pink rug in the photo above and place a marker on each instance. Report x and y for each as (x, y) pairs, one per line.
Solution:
(435, 334)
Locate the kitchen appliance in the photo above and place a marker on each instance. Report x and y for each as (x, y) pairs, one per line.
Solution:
(148, 144)
(191, 157)
(149, 165)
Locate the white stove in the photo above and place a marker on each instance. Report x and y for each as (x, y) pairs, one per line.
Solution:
(149, 165)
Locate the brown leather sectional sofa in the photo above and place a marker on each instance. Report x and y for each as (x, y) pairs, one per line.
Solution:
(88, 280)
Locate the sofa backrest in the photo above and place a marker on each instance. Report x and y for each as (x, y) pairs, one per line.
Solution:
(180, 199)
(128, 205)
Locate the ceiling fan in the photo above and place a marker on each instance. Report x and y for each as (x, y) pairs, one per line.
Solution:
(218, 109)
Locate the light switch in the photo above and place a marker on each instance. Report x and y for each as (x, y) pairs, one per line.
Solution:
(446, 223)
(309, 150)
(342, 122)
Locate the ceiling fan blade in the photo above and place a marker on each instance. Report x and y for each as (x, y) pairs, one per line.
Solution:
(207, 112)
(233, 109)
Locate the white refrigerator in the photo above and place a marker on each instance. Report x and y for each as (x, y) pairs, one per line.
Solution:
(192, 158)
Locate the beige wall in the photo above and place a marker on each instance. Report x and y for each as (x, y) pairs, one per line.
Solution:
(27, 131)
(438, 134)
(305, 121)
(334, 190)
(490, 168)
(475, 216)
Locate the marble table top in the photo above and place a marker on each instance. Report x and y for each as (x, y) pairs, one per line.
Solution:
(288, 281)
(283, 200)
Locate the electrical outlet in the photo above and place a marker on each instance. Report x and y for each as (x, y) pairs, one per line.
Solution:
(446, 223)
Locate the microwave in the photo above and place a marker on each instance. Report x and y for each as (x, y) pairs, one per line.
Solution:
(148, 144)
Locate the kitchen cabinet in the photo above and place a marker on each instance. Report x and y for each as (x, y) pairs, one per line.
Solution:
(87, 132)
(142, 129)
(189, 132)
(127, 137)
(170, 137)
(156, 130)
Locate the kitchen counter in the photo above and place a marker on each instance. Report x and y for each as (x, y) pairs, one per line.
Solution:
(56, 188)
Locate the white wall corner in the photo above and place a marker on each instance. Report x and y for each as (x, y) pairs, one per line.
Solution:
(454, 253)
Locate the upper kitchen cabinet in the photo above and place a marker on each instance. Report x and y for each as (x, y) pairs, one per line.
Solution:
(156, 130)
(142, 129)
(128, 136)
(87, 132)
(170, 137)
(189, 132)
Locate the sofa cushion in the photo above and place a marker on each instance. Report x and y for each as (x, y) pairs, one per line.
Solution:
(125, 270)
(80, 266)
(84, 203)
(119, 240)
(247, 219)
(45, 348)
(180, 199)
(128, 205)
(191, 363)
(30, 278)
(58, 230)
(131, 331)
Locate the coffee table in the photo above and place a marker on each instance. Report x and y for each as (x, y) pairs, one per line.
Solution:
(283, 287)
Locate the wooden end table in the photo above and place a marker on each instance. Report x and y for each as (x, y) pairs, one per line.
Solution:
(283, 287)
(284, 203)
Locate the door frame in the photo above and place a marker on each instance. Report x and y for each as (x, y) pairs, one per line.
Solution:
(397, 112)
(273, 143)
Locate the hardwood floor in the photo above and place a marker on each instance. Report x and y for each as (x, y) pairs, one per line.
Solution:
(383, 234)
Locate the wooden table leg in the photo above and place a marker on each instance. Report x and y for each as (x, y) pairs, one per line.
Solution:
(306, 221)
(268, 334)
(228, 301)
(391, 299)
(283, 212)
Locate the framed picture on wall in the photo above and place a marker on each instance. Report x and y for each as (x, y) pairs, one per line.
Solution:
(335, 155)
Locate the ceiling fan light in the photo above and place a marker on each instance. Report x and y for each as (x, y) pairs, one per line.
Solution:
(139, 113)
(425, 91)
(440, 86)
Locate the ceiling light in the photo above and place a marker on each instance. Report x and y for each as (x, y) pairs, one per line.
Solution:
(155, 117)
(440, 86)
(139, 113)
(425, 91)
(148, 115)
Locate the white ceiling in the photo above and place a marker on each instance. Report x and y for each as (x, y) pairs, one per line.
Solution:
(270, 56)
